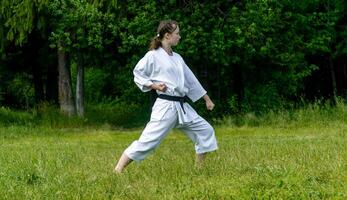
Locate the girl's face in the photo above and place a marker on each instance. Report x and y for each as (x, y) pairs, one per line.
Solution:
(174, 37)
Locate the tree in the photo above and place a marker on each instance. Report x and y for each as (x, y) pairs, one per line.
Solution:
(326, 41)
(77, 29)
(21, 29)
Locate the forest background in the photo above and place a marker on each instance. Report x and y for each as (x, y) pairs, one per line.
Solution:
(66, 58)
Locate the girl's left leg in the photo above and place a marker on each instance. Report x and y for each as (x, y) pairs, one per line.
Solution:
(154, 132)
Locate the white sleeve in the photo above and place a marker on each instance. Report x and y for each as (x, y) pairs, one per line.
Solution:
(142, 72)
(196, 91)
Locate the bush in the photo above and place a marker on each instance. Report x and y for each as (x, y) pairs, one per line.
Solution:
(115, 114)
(262, 99)
(9, 117)
(22, 90)
(120, 114)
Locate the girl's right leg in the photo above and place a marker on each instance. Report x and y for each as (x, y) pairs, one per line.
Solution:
(150, 138)
(200, 159)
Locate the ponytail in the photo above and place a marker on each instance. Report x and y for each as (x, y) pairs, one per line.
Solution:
(155, 43)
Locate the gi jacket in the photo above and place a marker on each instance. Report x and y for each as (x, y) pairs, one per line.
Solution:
(157, 66)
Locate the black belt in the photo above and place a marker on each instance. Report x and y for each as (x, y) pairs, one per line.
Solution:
(174, 98)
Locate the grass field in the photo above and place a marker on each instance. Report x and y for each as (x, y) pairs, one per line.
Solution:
(263, 162)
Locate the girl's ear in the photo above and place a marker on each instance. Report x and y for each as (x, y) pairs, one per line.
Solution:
(167, 35)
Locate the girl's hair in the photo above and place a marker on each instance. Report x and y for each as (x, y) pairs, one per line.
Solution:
(166, 26)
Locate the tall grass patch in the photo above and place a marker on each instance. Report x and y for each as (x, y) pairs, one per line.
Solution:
(10, 117)
(119, 114)
(306, 116)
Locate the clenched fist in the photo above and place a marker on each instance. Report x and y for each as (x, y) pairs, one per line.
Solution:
(159, 86)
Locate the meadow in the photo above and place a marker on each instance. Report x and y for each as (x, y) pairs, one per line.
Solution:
(297, 155)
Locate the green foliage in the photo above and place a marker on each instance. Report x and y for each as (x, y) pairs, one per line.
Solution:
(76, 25)
(22, 90)
(17, 18)
(257, 41)
(252, 56)
(263, 99)
(95, 82)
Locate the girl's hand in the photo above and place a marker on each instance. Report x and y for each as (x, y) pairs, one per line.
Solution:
(160, 86)
(209, 103)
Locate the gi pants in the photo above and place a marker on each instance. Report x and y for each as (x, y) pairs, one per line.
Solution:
(198, 130)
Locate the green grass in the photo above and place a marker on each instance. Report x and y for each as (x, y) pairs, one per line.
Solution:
(271, 161)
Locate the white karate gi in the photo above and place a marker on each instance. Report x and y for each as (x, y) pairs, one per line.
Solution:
(159, 67)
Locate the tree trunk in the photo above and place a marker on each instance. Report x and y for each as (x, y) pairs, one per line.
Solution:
(66, 100)
(333, 79)
(80, 87)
